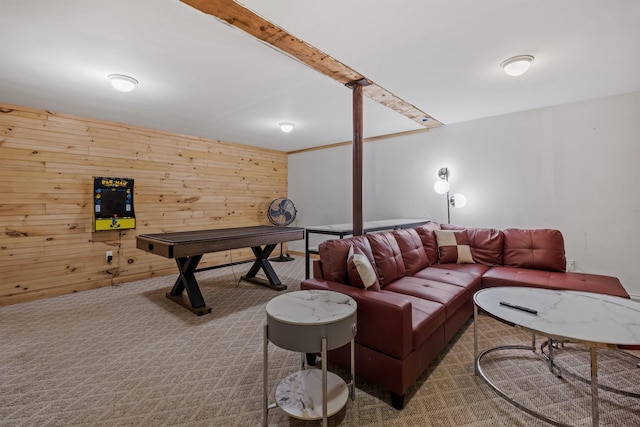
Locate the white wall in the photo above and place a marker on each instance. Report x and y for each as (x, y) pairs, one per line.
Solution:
(573, 167)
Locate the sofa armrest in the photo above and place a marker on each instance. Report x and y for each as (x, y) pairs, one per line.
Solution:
(384, 319)
(317, 269)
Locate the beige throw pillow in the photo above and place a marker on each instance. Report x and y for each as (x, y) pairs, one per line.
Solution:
(361, 272)
(453, 247)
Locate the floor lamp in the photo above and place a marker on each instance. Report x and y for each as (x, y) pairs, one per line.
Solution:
(442, 187)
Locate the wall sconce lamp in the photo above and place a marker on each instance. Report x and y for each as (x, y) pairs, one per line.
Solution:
(442, 187)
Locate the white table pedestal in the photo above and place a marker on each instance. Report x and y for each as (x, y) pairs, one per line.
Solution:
(311, 321)
(300, 394)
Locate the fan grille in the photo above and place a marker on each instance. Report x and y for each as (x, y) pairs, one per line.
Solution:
(282, 212)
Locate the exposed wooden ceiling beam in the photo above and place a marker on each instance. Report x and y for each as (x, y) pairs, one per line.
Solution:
(246, 20)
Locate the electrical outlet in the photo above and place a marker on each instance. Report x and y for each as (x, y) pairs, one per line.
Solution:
(571, 265)
(109, 256)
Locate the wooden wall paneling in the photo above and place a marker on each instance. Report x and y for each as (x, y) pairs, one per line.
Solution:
(47, 243)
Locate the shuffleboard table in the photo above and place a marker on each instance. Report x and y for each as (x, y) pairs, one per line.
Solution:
(188, 247)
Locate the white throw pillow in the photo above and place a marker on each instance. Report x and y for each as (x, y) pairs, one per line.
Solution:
(363, 267)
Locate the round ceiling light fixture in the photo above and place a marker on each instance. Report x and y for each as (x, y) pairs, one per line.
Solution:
(517, 66)
(286, 127)
(122, 83)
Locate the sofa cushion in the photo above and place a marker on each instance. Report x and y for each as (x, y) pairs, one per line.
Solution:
(413, 253)
(361, 273)
(428, 239)
(453, 247)
(452, 297)
(334, 257)
(452, 227)
(475, 270)
(512, 276)
(486, 243)
(426, 318)
(468, 276)
(387, 256)
(541, 249)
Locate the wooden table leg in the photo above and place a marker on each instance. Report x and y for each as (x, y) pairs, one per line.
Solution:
(187, 280)
(262, 262)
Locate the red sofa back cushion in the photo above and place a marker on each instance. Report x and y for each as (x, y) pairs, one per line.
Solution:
(486, 243)
(333, 254)
(428, 239)
(388, 257)
(541, 249)
(413, 253)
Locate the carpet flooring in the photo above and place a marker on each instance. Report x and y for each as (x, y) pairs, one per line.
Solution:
(128, 356)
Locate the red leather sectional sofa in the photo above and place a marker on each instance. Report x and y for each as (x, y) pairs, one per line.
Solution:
(425, 279)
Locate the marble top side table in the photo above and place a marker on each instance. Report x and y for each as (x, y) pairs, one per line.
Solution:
(589, 319)
(312, 321)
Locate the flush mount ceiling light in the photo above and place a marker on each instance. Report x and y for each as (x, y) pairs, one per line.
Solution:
(122, 83)
(286, 127)
(517, 66)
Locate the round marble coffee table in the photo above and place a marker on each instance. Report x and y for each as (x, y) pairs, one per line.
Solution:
(311, 321)
(589, 319)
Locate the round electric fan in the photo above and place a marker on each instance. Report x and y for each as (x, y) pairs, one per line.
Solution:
(282, 212)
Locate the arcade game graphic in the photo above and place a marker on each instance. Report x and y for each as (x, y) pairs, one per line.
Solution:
(113, 204)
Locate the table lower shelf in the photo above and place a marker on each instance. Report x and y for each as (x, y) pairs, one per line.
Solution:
(300, 394)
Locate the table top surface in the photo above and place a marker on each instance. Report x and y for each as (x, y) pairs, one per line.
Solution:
(311, 307)
(300, 394)
(571, 315)
(220, 234)
(368, 225)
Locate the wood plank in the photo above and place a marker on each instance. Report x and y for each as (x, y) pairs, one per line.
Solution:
(182, 183)
(248, 21)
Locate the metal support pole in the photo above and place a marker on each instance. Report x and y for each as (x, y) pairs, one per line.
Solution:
(353, 369)
(533, 342)
(265, 377)
(595, 418)
(475, 338)
(324, 382)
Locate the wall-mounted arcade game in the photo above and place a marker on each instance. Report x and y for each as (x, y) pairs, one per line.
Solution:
(113, 204)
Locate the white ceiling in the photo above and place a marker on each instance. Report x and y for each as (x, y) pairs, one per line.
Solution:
(199, 76)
